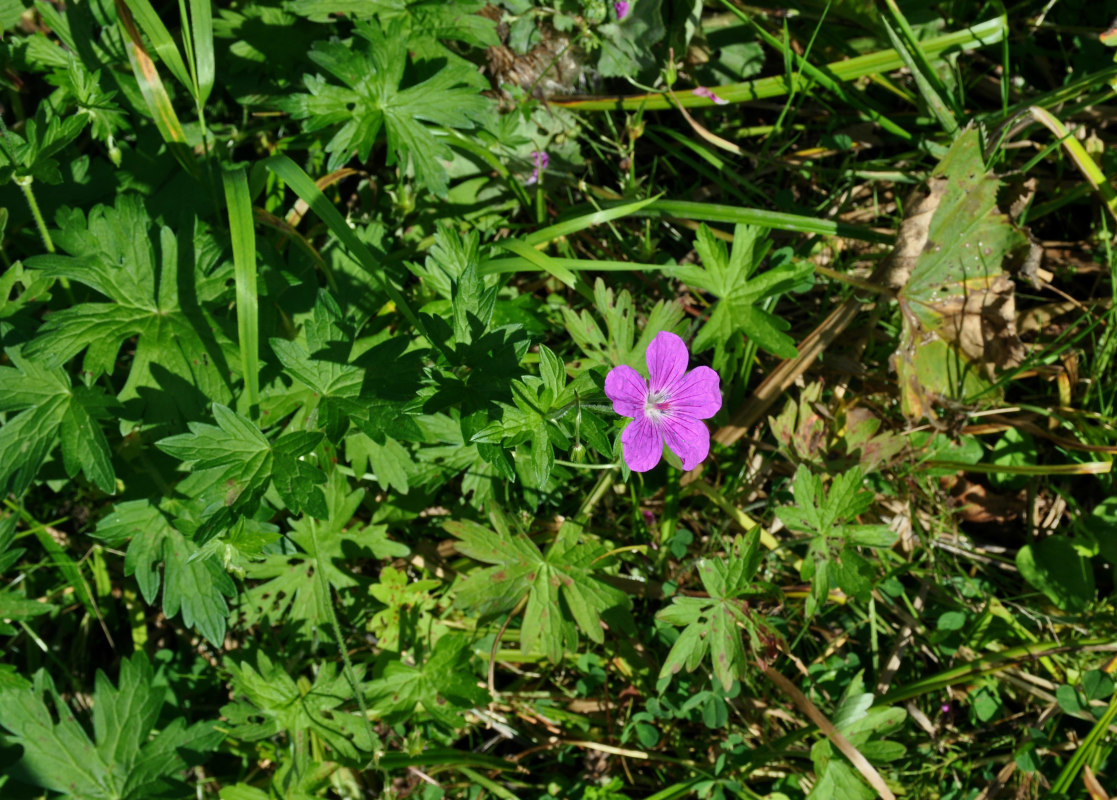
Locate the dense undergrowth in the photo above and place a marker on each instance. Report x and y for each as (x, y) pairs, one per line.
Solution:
(322, 322)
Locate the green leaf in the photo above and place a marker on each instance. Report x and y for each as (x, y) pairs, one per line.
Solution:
(53, 412)
(627, 50)
(93, 102)
(406, 603)
(291, 588)
(390, 461)
(618, 343)
(1057, 569)
(1101, 524)
(181, 358)
(552, 371)
(122, 761)
(269, 702)
(192, 583)
(853, 574)
(957, 301)
(444, 687)
(31, 156)
(565, 571)
(826, 514)
(250, 462)
(840, 782)
(426, 22)
(730, 277)
(371, 98)
(717, 624)
(322, 363)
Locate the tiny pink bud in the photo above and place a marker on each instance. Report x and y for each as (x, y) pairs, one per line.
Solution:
(702, 91)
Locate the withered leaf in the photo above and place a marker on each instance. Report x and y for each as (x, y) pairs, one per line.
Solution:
(958, 303)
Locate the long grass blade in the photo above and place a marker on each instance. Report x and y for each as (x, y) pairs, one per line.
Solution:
(302, 185)
(581, 223)
(162, 42)
(1082, 753)
(1090, 170)
(713, 212)
(201, 25)
(931, 89)
(986, 665)
(980, 35)
(243, 235)
(541, 261)
(154, 92)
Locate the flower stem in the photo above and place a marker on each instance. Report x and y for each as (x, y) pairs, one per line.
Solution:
(584, 466)
(24, 183)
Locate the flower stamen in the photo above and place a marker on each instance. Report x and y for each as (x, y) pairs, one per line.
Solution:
(656, 406)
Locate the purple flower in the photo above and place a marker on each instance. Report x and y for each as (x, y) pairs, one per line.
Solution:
(702, 91)
(621, 8)
(541, 160)
(668, 408)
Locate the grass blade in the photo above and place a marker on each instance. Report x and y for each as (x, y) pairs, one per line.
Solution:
(160, 38)
(201, 25)
(243, 235)
(154, 92)
(581, 223)
(713, 212)
(931, 89)
(504, 266)
(1082, 753)
(302, 185)
(1090, 170)
(979, 35)
(986, 665)
(541, 261)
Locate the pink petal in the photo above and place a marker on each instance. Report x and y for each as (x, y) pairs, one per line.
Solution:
(627, 390)
(702, 91)
(698, 394)
(687, 437)
(643, 444)
(667, 360)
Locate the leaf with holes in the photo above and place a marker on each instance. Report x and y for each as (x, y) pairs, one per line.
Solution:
(958, 303)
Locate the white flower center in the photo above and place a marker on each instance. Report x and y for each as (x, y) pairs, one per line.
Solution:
(656, 404)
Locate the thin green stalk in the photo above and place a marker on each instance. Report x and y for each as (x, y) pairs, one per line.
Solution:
(1085, 468)
(713, 212)
(24, 183)
(320, 574)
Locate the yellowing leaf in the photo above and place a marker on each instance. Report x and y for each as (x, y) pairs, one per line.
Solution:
(958, 303)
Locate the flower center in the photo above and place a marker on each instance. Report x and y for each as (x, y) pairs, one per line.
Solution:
(656, 405)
